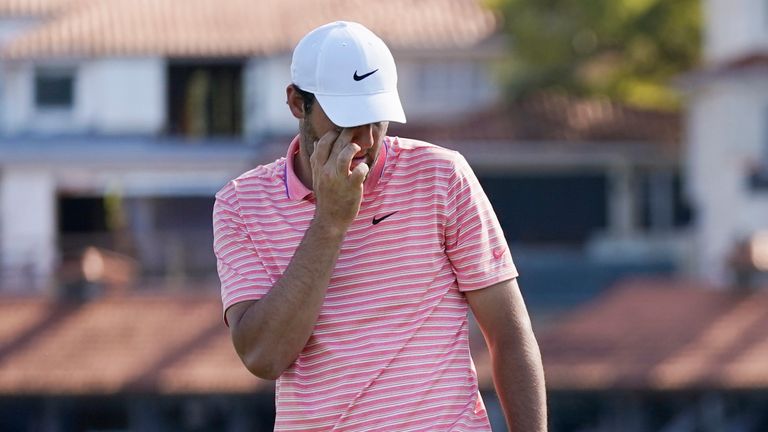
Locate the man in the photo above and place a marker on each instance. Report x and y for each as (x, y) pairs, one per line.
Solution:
(348, 266)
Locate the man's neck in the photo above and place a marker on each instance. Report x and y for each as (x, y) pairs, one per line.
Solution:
(303, 167)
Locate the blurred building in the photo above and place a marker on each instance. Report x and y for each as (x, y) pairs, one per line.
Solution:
(660, 355)
(689, 353)
(727, 139)
(587, 190)
(120, 119)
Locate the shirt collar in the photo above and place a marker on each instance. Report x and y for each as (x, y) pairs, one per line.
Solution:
(296, 190)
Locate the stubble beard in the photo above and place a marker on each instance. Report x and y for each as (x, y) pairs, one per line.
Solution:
(307, 137)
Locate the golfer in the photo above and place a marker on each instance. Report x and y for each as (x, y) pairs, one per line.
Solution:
(349, 266)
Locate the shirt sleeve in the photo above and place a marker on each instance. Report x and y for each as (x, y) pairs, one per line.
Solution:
(474, 240)
(241, 271)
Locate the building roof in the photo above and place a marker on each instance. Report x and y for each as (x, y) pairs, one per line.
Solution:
(164, 344)
(661, 335)
(754, 63)
(754, 59)
(239, 28)
(33, 8)
(555, 117)
(558, 131)
(644, 334)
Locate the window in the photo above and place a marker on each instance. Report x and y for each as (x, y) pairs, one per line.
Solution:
(764, 137)
(662, 201)
(558, 209)
(758, 172)
(55, 88)
(205, 99)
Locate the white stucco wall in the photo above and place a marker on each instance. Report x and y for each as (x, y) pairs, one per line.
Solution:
(734, 28)
(27, 224)
(265, 110)
(438, 86)
(124, 95)
(111, 95)
(726, 137)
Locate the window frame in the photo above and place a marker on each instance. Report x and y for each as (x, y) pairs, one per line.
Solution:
(62, 72)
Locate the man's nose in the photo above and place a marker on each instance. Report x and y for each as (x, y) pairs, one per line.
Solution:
(363, 136)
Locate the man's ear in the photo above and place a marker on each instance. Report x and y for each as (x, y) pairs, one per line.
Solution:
(295, 102)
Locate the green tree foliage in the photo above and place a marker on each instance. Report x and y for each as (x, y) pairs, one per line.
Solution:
(628, 50)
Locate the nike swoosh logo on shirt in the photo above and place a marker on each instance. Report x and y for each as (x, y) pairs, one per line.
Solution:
(499, 252)
(376, 221)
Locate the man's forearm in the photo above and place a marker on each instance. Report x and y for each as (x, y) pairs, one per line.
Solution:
(519, 379)
(274, 330)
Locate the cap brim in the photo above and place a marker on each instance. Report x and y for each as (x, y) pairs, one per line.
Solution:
(349, 111)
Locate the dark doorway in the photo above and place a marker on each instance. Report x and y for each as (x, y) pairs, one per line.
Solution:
(82, 215)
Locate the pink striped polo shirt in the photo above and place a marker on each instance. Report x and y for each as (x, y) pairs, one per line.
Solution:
(390, 349)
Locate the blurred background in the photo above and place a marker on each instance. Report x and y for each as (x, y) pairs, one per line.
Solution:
(623, 144)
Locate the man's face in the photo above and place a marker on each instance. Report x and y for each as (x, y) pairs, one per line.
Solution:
(369, 137)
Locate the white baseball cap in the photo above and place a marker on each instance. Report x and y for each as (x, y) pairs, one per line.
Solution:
(351, 72)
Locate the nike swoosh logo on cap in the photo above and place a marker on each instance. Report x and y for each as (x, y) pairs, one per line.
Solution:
(357, 77)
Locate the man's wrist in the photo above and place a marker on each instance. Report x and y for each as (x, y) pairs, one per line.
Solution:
(329, 227)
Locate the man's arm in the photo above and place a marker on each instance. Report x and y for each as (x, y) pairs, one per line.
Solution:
(518, 374)
(269, 334)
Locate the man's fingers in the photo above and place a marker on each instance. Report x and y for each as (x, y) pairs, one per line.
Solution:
(344, 158)
(358, 174)
(323, 147)
(343, 139)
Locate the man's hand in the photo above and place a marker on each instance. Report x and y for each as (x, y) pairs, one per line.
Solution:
(338, 190)
(268, 334)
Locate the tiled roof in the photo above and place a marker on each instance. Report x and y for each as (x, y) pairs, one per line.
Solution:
(139, 343)
(133, 343)
(755, 59)
(23, 8)
(644, 334)
(754, 63)
(230, 28)
(664, 335)
(554, 117)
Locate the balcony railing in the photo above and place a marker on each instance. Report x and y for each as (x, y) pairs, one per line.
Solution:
(90, 263)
